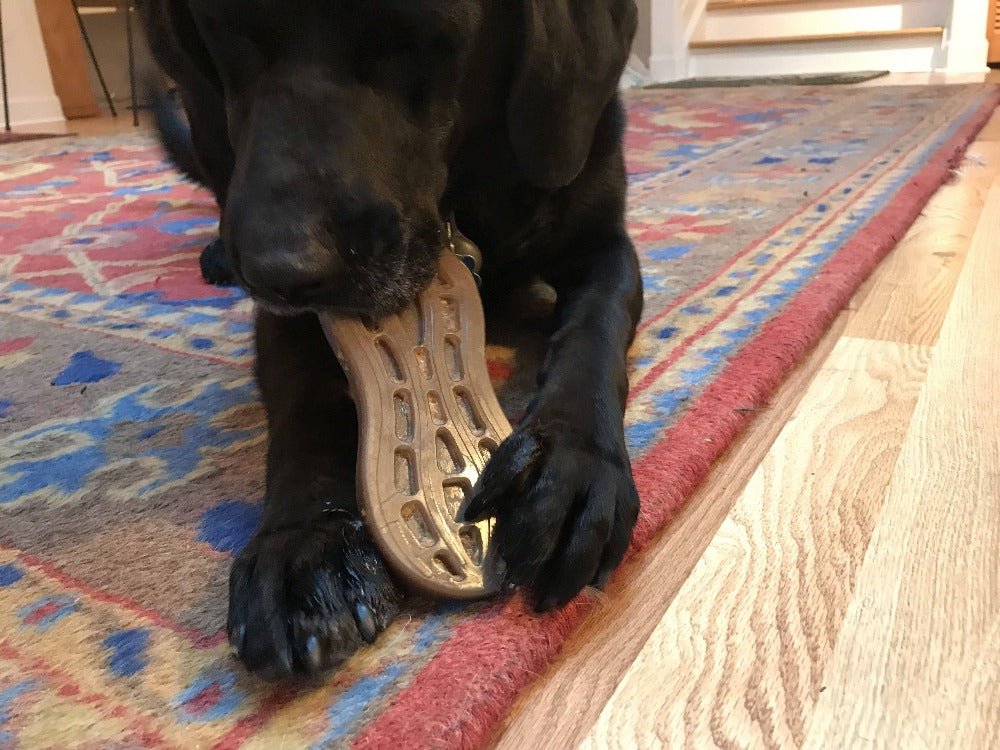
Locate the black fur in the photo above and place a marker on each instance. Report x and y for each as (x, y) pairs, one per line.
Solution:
(338, 137)
(175, 135)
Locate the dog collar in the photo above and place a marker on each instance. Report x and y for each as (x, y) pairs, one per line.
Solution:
(466, 250)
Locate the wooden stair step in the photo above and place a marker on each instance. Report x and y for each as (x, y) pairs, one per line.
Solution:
(753, 4)
(762, 41)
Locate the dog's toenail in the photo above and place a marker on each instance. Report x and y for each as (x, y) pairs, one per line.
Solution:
(283, 667)
(313, 653)
(366, 622)
(236, 640)
(547, 603)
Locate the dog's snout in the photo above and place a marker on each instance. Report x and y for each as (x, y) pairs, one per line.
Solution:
(310, 256)
(285, 270)
(282, 275)
(328, 232)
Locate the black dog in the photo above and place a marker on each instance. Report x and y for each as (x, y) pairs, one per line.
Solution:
(338, 137)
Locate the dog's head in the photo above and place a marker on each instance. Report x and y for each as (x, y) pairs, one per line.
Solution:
(343, 118)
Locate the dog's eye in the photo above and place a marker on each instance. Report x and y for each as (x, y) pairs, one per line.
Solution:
(400, 41)
(443, 46)
(391, 43)
(416, 63)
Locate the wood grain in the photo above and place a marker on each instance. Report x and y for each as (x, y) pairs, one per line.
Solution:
(67, 58)
(763, 41)
(754, 4)
(992, 130)
(911, 293)
(738, 658)
(775, 691)
(599, 653)
(918, 660)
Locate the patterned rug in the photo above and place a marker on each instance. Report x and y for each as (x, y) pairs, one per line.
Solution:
(132, 441)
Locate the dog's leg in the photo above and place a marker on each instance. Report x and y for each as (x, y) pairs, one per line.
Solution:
(214, 154)
(181, 54)
(310, 588)
(560, 487)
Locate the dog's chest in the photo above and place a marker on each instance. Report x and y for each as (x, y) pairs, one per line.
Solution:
(510, 225)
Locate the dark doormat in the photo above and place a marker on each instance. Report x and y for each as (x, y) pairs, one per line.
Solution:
(815, 79)
(18, 137)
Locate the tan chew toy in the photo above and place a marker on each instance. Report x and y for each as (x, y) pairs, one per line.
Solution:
(429, 420)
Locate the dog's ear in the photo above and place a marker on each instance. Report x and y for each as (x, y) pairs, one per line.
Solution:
(572, 57)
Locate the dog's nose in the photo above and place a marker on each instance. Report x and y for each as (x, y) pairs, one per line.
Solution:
(290, 273)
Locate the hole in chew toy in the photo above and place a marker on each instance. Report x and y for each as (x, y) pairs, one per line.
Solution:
(487, 448)
(423, 358)
(453, 356)
(472, 540)
(372, 325)
(416, 520)
(449, 311)
(436, 408)
(449, 458)
(468, 410)
(445, 560)
(403, 406)
(455, 491)
(392, 368)
(418, 316)
(406, 471)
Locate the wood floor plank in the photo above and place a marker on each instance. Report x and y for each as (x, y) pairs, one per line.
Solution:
(767, 41)
(992, 130)
(598, 654)
(738, 658)
(911, 292)
(917, 663)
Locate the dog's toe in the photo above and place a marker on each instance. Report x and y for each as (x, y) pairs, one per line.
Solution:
(303, 599)
(215, 267)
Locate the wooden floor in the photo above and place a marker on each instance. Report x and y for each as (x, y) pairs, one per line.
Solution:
(836, 583)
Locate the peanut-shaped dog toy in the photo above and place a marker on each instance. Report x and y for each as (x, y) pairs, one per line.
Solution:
(429, 421)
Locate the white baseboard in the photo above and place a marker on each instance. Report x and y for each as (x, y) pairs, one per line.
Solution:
(668, 67)
(31, 110)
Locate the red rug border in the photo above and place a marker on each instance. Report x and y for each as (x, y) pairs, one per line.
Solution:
(442, 711)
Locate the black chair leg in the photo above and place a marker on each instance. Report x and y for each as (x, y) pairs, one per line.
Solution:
(131, 62)
(93, 59)
(3, 80)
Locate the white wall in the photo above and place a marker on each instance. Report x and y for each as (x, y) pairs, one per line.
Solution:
(965, 41)
(29, 83)
(107, 34)
(662, 41)
(640, 48)
(667, 40)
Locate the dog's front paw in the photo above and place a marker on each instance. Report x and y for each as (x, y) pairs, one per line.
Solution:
(303, 598)
(564, 509)
(215, 267)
